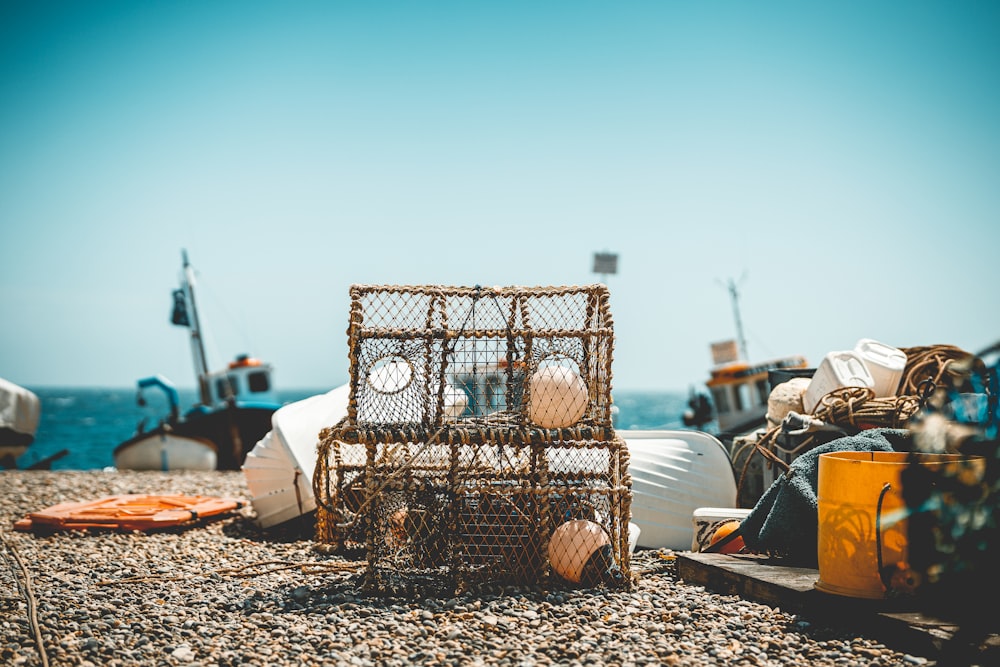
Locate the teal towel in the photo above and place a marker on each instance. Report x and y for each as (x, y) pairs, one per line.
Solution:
(784, 521)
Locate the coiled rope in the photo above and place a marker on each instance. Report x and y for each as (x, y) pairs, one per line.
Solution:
(928, 364)
(852, 409)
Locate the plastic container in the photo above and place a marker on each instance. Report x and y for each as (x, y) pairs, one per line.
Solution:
(884, 362)
(707, 519)
(785, 398)
(838, 369)
(852, 528)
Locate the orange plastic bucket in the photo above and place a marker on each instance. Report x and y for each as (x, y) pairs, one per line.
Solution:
(862, 517)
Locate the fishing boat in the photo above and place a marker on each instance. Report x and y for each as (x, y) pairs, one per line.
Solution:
(738, 389)
(20, 411)
(234, 410)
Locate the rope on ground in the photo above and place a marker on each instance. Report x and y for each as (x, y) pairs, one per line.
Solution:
(307, 568)
(27, 590)
(246, 571)
(650, 562)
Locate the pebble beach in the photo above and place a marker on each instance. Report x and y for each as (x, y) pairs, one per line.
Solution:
(223, 592)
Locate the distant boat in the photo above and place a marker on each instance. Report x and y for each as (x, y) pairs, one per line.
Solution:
(20, 411)
(738, 388)
(234, 411)
(740, 391)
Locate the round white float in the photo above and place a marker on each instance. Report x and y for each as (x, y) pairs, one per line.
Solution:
(390, 375)
(558, 397)
(785, 398)
(571, 546)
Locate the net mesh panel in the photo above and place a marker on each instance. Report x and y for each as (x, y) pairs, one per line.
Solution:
(479, 422)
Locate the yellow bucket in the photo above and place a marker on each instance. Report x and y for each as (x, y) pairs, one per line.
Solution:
(862, 518)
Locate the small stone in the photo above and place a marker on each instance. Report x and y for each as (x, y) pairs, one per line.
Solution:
(183, 653)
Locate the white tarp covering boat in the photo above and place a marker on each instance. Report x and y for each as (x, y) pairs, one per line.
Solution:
(279, 468)
(673, 474)
(20, 411)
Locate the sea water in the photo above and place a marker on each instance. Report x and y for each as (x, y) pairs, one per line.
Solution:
(89, 422)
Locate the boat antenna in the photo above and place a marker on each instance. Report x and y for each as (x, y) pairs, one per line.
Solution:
(197, 343)
(734, 295)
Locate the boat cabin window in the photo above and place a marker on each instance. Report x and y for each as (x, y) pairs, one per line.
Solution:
(258, 382)
(227, 386)
(721, 400)
(763, 392)
(742, 400)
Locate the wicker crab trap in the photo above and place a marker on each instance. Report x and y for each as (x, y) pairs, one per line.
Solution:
(478, 446)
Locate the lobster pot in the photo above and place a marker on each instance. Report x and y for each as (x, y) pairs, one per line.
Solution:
(445, 517)
(510, 356)
(484, 415)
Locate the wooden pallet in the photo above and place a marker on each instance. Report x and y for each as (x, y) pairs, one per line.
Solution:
(896, 623)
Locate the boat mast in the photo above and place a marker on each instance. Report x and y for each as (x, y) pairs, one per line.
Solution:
(197, 344)
(735, 296)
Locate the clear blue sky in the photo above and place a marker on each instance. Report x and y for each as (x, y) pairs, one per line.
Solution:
(840, 160)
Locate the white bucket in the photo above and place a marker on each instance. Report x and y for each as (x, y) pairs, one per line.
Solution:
(706, 520)
(884, 362)
(838, 369)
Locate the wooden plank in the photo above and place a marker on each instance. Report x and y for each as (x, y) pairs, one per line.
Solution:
(895, 622)
(750, 577)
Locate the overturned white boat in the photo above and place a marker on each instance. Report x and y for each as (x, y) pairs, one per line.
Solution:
(279, 468)
(675, 472)
(20, 411)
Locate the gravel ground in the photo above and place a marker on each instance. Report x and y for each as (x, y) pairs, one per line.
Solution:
(225, 593)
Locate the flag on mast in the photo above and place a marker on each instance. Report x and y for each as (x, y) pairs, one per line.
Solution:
(180, 314)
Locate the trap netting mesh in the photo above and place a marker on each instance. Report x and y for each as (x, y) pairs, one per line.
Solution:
(478, 445)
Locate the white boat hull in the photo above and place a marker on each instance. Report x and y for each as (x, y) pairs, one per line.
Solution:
(166, 451)
(673, 474)
(280, 467)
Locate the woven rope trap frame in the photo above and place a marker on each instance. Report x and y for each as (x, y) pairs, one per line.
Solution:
(478, 425)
